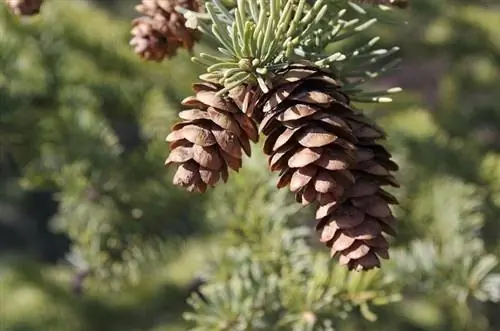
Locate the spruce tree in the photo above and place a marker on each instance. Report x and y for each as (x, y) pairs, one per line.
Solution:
(87, 100)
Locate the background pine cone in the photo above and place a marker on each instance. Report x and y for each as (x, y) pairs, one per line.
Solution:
(162, 31)
(212, 136)
(327, 153)
(149, 43)
(24, 7)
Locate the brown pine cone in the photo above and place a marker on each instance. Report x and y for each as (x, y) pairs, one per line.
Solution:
(149, 43)
(24, 7)
(327, 153)
(162, 31)
(211, 137)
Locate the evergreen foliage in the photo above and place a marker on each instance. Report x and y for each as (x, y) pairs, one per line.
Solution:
(83, 121)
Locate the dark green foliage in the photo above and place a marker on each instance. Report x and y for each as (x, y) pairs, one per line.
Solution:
(81, 124)
(82, 128)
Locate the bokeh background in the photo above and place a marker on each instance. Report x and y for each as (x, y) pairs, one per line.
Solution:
(93, 237)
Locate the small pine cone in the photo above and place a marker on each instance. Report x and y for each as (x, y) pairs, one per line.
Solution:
(327, 153)
(211, 137)
(24, 7)
(149, 43)
(162, 31)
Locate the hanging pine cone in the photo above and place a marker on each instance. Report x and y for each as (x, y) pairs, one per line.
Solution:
(149, 43)
(211, 137)
(24, 7)
(162, 31)
(327, 153)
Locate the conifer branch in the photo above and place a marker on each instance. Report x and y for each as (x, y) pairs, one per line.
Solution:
(255, 35)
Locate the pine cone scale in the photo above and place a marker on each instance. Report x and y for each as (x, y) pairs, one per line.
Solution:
(369, 229)
(271, 140)
(187, 175)
(210, 98)
(228, 142)
(232, 162)
(207, 157)
(279, 160)
(248, 127)
(340, 242)
(297, 112)
(333, 161)
(301, 177)
(224, 120)
(367, 262)
(209, 177)
(315, 137)
(304, 156)
(356, 251)
(295, 74)
(346, 217)
(180, 155)
(198, 134)
(278, 97)
(193, 114)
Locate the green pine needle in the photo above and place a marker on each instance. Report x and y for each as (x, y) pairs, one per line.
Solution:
(255, 35)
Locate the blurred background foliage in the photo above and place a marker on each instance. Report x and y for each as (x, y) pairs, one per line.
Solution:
(94, 237)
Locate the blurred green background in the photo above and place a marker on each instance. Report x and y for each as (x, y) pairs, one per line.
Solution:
(82, 182)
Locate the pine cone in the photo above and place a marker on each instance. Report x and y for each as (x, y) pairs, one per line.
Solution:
(162, 31)
(327, 153)
(149, 43)
(24, 7)
(211, 137)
